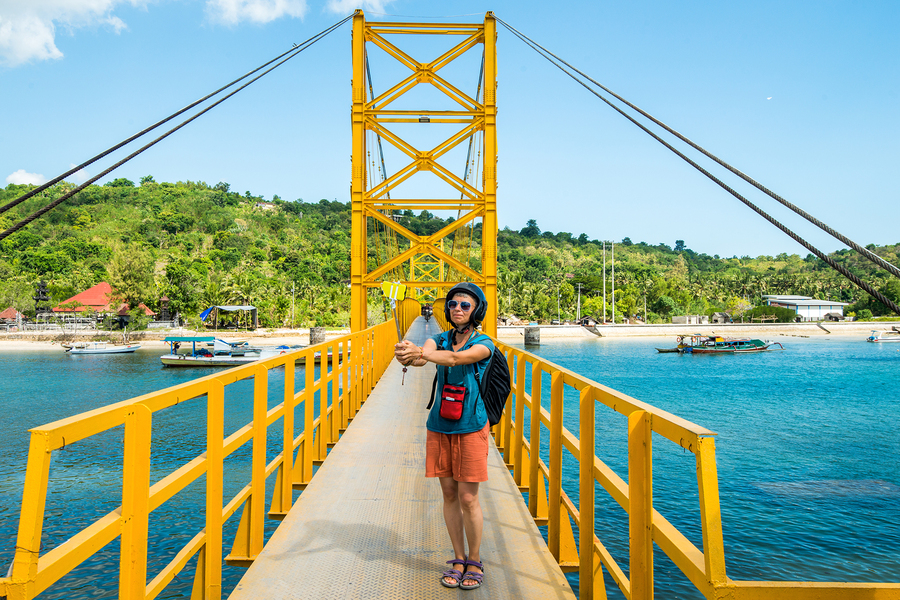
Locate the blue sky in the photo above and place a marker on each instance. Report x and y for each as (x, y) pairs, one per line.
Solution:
(802, 96)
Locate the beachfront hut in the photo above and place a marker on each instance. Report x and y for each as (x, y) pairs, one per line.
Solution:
(215, 310)
(721, 317)
(807, 309)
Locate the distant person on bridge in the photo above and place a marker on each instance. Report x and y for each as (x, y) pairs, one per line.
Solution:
(457, 443)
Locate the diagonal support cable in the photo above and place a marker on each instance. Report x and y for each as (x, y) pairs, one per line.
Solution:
(824, 227)
(289, 55)
(827, 260)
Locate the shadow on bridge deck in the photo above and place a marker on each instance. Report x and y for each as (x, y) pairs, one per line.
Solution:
(370, 525)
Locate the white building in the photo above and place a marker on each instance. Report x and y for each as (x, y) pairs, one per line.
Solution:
(808, 309)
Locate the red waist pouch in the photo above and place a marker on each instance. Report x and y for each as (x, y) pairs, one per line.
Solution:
(452, 399)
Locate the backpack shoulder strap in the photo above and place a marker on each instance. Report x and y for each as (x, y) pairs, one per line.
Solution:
(440, 346)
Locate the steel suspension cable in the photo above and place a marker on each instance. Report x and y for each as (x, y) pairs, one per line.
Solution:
(377, 135)
(830, 262)
(290, 54)
(821, 225)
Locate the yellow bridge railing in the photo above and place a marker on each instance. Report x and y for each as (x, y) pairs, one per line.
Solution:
(550, 504)
(356, 363)
(350, 367)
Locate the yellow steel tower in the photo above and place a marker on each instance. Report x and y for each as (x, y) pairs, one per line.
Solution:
(372, 201)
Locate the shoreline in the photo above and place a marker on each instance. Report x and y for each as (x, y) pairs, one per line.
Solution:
(549, 333)
(556, 332)
(154, 339)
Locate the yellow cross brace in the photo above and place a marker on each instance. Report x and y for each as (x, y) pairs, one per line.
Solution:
(429, 263)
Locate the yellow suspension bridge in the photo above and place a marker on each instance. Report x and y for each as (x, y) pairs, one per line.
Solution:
(350, 437)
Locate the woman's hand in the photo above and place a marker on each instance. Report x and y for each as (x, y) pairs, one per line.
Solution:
(406, 352)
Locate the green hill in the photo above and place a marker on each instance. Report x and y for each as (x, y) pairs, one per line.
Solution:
(201, 245)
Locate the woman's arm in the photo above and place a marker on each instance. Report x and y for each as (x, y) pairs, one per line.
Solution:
(410, 354)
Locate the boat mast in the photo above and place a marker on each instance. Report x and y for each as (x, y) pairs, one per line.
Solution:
(604, 282)
(613, 261)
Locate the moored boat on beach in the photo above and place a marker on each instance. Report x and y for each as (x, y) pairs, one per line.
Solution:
(716, 344)
(879, 337)
(99, 348)
(222, 354)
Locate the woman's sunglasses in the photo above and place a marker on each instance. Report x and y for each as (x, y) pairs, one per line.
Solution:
(463, 305)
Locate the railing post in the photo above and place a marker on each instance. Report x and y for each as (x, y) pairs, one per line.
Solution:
(135, 504)
(344, 380)
(309, 404)
(353, 374)
(215, 434)
(710, 512)
(258, 462)
(640, 504)
(506, 423)
(287, 464)
(555, 466)
(335, 393)
(535, 457)
(31, 523)
(518, 442)
(586, 496)
(324, 430)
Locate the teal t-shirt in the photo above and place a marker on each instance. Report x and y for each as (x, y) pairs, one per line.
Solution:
(474, 416)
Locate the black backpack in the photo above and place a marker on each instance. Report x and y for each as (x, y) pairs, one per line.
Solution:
(494, 387)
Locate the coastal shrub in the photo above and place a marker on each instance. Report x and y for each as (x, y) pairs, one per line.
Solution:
(864, 315)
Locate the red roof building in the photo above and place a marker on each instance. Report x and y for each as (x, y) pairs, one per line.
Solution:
(11, 315)
(96, 298)
(125, 307)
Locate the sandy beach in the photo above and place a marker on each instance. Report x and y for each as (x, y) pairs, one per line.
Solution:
(14, 341)
(757, 330)
(154, 339)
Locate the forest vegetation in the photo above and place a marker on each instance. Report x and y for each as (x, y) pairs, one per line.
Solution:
(203, 245)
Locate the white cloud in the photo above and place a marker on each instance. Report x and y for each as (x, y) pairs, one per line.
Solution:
(28, 28)
(21, 177)
(79, 176)
(345, 7)
(233, 12)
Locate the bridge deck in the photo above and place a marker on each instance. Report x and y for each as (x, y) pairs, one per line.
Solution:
(370, 524)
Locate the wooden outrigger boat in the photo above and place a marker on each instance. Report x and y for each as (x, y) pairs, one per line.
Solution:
(716, 344)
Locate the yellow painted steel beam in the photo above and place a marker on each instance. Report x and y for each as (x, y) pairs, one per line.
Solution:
(710, 511)
(389, 47)
(135, 504)
(421, 239)
(414, 249)
(376, 113)
(489, 175)
(586, 497)
(215, 433)
(461, 48)
(358, 244)
(806, 590)
(419, 120)
(419, 28)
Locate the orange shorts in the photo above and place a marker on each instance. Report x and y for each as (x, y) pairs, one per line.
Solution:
(462, 456)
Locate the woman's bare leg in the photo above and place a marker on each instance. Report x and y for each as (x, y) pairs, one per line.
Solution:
(453, 518)
(473, 521)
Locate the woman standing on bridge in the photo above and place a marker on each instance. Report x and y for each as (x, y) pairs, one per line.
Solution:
(457, 443)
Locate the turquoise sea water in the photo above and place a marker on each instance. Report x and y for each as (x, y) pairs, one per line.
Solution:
(807, 451)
